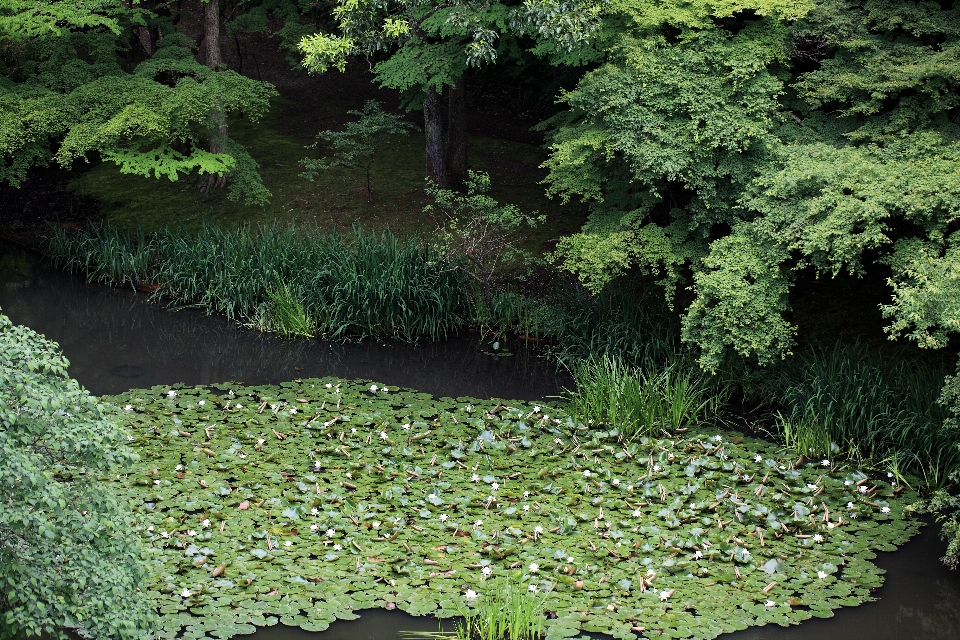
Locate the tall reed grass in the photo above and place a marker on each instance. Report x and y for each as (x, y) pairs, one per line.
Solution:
(849, 400)
(296, 280)
(640, 401)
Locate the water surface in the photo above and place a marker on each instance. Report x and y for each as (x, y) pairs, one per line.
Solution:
(115, 341)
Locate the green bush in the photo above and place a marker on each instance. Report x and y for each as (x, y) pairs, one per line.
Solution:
(70, 561)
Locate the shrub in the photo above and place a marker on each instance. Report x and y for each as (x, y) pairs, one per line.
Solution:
(70, 561)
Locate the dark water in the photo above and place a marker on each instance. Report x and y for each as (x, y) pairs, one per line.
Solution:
(115, 342)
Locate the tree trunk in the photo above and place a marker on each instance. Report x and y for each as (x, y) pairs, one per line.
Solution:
(456, 151)
(433, 130)
(218, 120)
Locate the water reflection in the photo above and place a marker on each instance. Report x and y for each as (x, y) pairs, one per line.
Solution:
(114, 342)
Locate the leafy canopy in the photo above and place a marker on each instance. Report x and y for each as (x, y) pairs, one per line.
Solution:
(69, 558)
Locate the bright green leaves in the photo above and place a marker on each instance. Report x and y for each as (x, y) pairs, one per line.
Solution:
(70, 559)
(741, 292)
(325, 497)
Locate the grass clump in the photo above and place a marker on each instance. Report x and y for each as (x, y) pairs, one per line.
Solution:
(849, 401)
(510, 613)
(365, 284)
(637, 401)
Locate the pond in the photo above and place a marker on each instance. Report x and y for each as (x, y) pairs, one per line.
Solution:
(115, 342)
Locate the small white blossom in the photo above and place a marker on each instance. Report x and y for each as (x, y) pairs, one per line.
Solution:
(570, 559)
(769, 603)
(171, 393)
(586, 473)
(536, 409)
(156, 482)
(849, 505)
(495, 486)
(328, 386)
(637, 513)
(164, 534)
(471, 594)
(238, 406)
(717, 438)
(862, 489)
(314, 511)
(375, 524)
(443, 517)
(202, 402)
(383, 435)
(205, 522)
(316, 465)
(487, 571)
(349, 475)
(656, 468)
(260, 441)
(314, 527)
(825, 463)
(129, 407)
(330, 533)
(758, 458)
(337, 547)
(186, 593)
(664, 595)
(373, 388)
(698, 554)
(885, 510)
(538, 530)
(191, 533)
(293, 411)
(821, 574)
(287, 543)
(616, 482)
(526, 507)
(818, 538)
(532, 588)
(475, 478)
(526, 494)
(534, 567)
(847, 483)
(478, 523)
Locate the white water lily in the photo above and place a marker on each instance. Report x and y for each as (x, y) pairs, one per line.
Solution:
(717, 438)
(586, 473)
(375, 524)
(328, 386)
(862, 489)
(337, 547)
(818, 538)
(821, 574)
(186, 593)
(615, 482)
(665, 595)
(495, 486)
(532, 588)
(847, 483)
(656, 468)
(373, 388)
(287, 543)
(171, 394)
(238, 406)
(293, 411)
(526, 507)
(758, 458)
(156, 482)
(202, 402)
(191, 533)
(349, 475)
(475, 478)
(205, 522)
(314, 511)
(769, 603)
(330, 533)
(487, 571)
(383, 435)
(261, 441)
(314, 527)
(570, 559)
(534, 567)
(849, 505)
(526, 494)
(629, 487)
(150, 528)
(443, 517)
(698, 554)
(164, 534)
(353, 429)
(471, 594)
(885, 510)
(129, 407)
(536, 409)
(317, 466)
(637, 513)
(478, 523)
(538, 530)
(825, 463)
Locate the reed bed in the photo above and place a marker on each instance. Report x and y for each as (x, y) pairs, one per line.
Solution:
(290, 280)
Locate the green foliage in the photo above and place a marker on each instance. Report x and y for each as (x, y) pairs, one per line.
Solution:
(728, 145)
(285, 314)
(513, 612)
(346, 287)
(358, 145)
(332, 497)
(70, 561)
(640, 402)
(475, 232)
(71, 95)
(851, 402)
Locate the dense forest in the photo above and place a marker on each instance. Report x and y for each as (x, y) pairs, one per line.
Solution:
(755, 203)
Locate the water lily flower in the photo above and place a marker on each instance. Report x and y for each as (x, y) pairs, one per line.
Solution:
(349, 475)
(637, 513)
(314, 511)
(769, 603)
(406, 426)
(570, 559)
(328, 385)
(849, 505)
(477, 523)
(818, 538)
(150, 528)
(202, 402)
(538, 530)
(164, 534)
(373, 388)
(825, 463)
(260, 441)
(293, 411)
(847, 483)
(534, 567)
(526, 507)
(471, 594)
(758, 458)
(536, 409)
(889, 474)
(316, 465)
(616, 482)
(186, 593)
(443, 517)
(287, 543)
(495, 486)
(698, 554)
(532, 588)
(129, 407)
(383, 435)
(191, 533)
(330, 533)
(586, 473)
(862, 489)
(314, 527)
(171, 394)
(238, 406)
(353, 429)
(337, 547)
(526, 494)
(375, 524)
(813, 486)
(656, 468)
(717, 438)
(665, 594)
(821, 574)
(274, 406)
(205, 522)
(156, 482)
(611, 607)
(487, 571)
(629, 487)
(885, 510)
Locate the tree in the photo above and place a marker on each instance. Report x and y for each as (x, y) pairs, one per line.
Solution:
(358, 145)
(69, 90)
(70, 560)
(426, 48)
(727, 146)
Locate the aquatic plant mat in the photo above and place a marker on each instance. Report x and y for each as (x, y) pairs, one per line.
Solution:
(313, 500)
